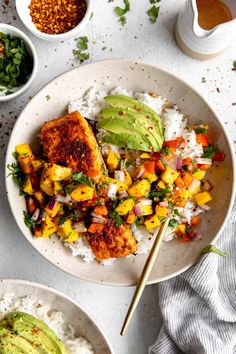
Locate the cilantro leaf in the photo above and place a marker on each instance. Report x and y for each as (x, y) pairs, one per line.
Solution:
(82, 43)
(82, 178)
(159, 193)
(69, 188)
(116, 217)
(121, 12)
(173, 223)
(200, 130)
(29, 222)
(209, 152)
(17, 175)
(213, 249)
(153, 13)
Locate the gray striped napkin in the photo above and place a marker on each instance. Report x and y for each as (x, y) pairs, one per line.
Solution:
(199, 306)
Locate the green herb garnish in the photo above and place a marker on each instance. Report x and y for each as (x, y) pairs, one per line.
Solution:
(203, 80)
(154, 1)
(200, 130)
(166, 150)
(16, 64)
(234, 65)
(48, 97)
(122, 11)
(176, 212)
(209, 152)
(29, 222)
(17, 175)
(69, 188)
(82, 45)
(82, 178)
(159, 193)
(124, 164)
(153, 13)
(173, 223)
(116, 217)
(214, 249)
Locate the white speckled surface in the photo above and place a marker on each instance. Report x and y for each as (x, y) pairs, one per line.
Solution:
(140, 40)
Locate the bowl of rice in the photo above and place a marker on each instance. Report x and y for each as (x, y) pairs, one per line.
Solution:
(179, 108)
(74, 327)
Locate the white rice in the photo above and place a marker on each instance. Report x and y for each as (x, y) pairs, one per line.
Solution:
(54, 319)
(175, 125)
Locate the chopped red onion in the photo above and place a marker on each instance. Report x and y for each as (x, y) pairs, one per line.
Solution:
(96, 215)
(207, 186)
(137, 210)
(194, 185)
(123, 194)
(141, 172)
(112, 190)
(36, 214)
(169, 212)
(52, 203)
(203, 161)
(80, 227)
(205, 207)
(63, 199)
(164, 204)
(100, 220)
(145, 202)
(179, 163)
(42, 216)
(119, 176)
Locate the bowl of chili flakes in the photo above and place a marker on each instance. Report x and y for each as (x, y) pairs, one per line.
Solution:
(54, 20)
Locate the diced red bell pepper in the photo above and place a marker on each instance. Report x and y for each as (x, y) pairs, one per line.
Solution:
(149, 166)
(171, 143)
(203, 167)
(202, 139)
(37, 231)
(26, 164)
(219, 156)
(160, 166)
(185, 238)
(156, 156)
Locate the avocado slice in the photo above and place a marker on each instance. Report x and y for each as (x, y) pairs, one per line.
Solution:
(25, 331)
(125, 140)
(124, 102)
(128, 121)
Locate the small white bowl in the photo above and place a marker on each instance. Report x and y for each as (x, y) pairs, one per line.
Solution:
(17, 33)
(22, 7)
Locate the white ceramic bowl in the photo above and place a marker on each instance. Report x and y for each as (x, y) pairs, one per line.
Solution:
(22, 7)
(174, 257)
(17, 33)
(84, 325)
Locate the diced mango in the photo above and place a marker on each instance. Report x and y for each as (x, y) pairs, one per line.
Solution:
(170, 175)
(145, 155)
(161, 184)
(131, 218)
(150, 176)
(82, 192)
(24, 150)
(161, 211)
(37, 164)
(65, 229)
(180, 197)
(46, 184)
(146, 210)
(140, 189)
(73, 236)
(57, 187)
(203, 198)
(121, 186)
(199, 174)
(26, 164)
(182, 228)
(187, 178)
(53, 212)
(39, 196)
(28, 188)
(113, 160)
(57, 173)
(152, 222)
(128, 179)
(125, 206)
(49, 227)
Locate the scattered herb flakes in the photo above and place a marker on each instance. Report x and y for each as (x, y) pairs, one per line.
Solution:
(91, 16)
(48, 97)
(81, 178)
(117, 218)
(234, 65)
(82, 46)
(153, 13)
(203, 80)
(16, 64)
(200, 130)
(122, 20)
(213, 249)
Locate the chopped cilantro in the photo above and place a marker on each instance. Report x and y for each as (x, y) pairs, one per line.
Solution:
(122, 11)
(173, 223)
(62, 220)
(166, 150)
(159, 193)
(116, 217)
(200, 130)
(69, 188)
(234, 65)
(153, 13)
(176, 212)
(15, 155)
(214, 249)
(48, 97)
(82, 45)
(17, 175)
(82, 178)
(124, 164)
(122, 20)
(29, 222)
(203, 80)
(209, 152)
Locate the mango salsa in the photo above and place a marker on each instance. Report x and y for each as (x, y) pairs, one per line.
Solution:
(140, 189)
(82, 192)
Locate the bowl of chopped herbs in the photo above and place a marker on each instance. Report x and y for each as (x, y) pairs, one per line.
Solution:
(18, 62)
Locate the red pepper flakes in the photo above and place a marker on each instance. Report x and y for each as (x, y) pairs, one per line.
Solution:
(57, 16)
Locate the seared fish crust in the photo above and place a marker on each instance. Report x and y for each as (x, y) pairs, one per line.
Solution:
(69, 141)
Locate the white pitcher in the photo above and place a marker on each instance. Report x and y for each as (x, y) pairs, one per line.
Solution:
(198, 42)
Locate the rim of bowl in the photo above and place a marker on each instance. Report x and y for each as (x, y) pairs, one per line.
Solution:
(228, 138)
(56, 37)
(60, 294)
(34, 57)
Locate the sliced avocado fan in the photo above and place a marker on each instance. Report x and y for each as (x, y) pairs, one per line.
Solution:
(23, 333)
(131, 124)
